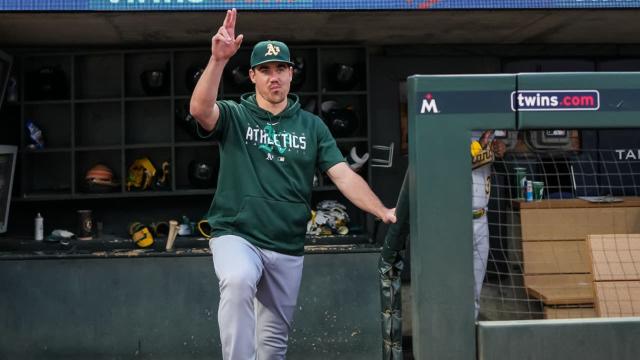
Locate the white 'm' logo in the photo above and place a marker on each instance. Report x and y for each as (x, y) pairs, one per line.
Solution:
(429, 105)
(272, 50)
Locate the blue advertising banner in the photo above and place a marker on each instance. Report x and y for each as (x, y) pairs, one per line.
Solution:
(195, 5)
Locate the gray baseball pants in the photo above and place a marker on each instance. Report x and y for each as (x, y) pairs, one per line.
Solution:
(480, 256)
(258, 294)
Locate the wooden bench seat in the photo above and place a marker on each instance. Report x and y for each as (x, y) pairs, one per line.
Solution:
(560, 289)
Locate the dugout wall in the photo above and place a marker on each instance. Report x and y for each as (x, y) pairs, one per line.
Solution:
(443, 110)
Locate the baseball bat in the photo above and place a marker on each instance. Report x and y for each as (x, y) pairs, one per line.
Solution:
(173, 231)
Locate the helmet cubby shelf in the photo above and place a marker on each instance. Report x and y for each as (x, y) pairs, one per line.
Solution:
(98, 111)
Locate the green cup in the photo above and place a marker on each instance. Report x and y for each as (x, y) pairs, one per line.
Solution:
(538, 190)
(521, 182)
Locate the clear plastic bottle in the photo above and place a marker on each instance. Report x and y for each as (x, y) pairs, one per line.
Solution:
(39, 228)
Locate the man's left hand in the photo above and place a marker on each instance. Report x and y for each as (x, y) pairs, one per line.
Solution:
(388, 216)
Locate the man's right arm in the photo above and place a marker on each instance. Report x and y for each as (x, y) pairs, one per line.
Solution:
(203, 105)
(224, 45)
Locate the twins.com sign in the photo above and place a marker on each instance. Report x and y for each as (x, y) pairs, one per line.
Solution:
(479, 102)
(555, 100)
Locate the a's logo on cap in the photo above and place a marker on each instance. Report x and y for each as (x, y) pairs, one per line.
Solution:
(272, 50)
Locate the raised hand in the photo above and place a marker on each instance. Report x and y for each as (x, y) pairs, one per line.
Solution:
(485, 137)
(224, 44)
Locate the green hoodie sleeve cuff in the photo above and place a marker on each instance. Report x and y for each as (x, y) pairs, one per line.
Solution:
(204, 134)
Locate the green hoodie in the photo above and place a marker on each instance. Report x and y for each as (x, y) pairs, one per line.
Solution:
(267, 164)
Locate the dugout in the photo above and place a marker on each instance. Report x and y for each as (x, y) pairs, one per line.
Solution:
(99, 289)
(442, 111)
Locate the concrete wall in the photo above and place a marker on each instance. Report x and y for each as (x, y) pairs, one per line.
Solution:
(578, 339)
(165, 308)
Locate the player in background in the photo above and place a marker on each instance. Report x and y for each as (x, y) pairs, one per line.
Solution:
(484, 150)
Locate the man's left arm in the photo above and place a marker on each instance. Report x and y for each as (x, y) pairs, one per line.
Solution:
(354, 188)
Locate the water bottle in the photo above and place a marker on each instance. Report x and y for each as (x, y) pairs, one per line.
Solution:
(39, 228)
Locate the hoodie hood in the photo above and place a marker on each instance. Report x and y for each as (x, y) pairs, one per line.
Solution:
(293, 106)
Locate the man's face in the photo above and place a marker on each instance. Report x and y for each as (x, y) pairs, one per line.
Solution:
(272, 80)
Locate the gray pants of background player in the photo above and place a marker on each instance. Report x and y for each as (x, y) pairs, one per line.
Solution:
(258, 293)
(480, 255)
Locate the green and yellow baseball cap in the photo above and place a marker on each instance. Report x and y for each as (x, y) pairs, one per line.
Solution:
(270, 51)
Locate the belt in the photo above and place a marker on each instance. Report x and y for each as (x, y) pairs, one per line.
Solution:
(478, 213)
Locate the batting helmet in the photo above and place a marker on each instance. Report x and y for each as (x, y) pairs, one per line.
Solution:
(99, 178)
(342, 121)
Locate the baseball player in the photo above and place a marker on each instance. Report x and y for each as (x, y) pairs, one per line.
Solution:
(269, 151)
(484, 149)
